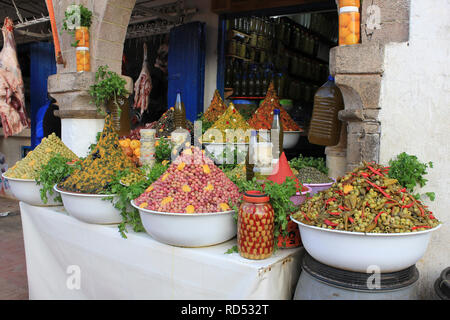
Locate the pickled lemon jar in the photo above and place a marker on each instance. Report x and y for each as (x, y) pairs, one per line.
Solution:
(83, 59)
(349, 25)
(255, 238)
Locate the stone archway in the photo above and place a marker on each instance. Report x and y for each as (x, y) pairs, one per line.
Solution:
(80, 120)
(358, 71)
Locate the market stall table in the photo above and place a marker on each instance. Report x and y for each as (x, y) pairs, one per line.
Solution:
(70, 259)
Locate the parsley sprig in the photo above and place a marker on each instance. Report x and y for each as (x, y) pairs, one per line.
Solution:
(410, 172)
(279, 195)
(302, 162)
(109, 86)
(56, 169)
(124, 195)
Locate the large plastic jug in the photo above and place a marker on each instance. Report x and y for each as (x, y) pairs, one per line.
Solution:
(325, 127)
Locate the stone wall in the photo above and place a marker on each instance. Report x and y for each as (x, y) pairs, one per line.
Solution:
(414, 116)
(358, 72)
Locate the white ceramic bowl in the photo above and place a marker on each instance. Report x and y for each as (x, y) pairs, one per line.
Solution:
(290, 139)
(90, 208)
(27, 190)
(357, 251)
(188, 230)
(316, 187)
(215, 150)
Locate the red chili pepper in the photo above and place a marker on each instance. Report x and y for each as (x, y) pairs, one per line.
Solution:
(306, 217)
(378, 188)
(343, 208)
(339, 192)
(403, 199)
(378, 215)
(403, 190)
(328, 222)
(375, 171)
(351, 219)
(334, 213)
(329, 200)
(417, 227)
(408, 205)
(422, 213)
(364, 174)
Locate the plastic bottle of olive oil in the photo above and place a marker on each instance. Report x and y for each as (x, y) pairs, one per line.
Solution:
(179, 113)
(325, 127)
(277, 131)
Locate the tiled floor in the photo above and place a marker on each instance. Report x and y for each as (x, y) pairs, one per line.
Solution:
(13, 273)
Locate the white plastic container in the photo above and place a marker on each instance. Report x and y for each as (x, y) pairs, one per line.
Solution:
(188, 229)
(27, 190)
(290, 139)
(90, 208)
(357, 251)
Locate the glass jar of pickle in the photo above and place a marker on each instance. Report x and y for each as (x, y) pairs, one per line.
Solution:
(232, 47)
(83, 59)
(255, 236)
(148, 149)
(349, 25)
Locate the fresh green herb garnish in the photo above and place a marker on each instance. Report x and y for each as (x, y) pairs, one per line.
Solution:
(279, 195)
(74, 14)
(302, 162)
(163, 150)
(52, 173)
(130, 215)
(409, 172)
(109, 86)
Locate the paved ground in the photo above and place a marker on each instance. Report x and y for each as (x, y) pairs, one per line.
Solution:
(13, 272)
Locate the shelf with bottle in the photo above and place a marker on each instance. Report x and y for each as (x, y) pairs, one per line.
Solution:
(292, 25)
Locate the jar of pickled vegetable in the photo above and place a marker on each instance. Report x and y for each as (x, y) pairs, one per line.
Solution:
(349, 3)
(82, 36)
(83, 59)
(255, 236)
(232, 47)
(349, 25)
(148, 147)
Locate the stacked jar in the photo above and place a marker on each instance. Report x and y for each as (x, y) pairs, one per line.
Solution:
(148, 149)
(255, 236)
(82, 53)
(349, 22)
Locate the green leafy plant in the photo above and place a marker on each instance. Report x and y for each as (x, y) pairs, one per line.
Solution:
(410, 172)
(279, 195)
(130, 215)
(109, 86)
(163, 150)
(76, 16)
(302, 162)
(56, 169)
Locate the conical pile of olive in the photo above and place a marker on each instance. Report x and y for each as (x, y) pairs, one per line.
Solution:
(366, 200)
(29, 167)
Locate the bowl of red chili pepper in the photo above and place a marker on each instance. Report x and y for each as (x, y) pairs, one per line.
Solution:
(366, 219)
(361, 252)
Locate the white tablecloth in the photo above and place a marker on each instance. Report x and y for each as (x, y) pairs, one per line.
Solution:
(70, 259)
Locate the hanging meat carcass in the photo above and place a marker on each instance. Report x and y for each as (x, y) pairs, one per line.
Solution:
(143, 86)
(12, 99)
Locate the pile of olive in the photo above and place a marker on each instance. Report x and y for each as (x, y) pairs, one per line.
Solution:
(366, 200)
(29, 167)
(132, 178)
